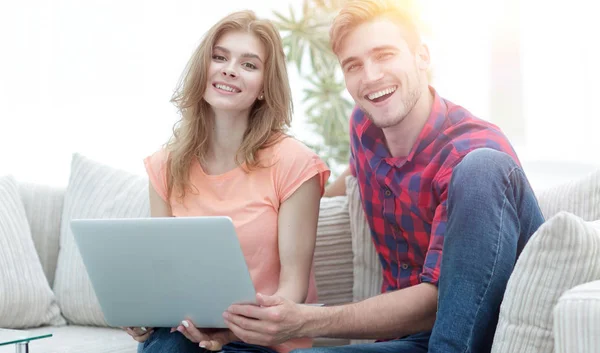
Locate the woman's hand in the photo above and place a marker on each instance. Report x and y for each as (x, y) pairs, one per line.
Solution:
(139, 334)
(210, 339)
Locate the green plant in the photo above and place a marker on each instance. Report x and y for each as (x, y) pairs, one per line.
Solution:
(306, 42)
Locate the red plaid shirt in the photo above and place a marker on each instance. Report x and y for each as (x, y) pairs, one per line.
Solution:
(405, 199)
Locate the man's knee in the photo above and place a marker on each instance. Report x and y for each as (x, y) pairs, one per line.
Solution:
(485, 158)
(482, 165)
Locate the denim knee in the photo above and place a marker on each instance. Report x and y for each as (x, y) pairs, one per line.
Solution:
(483, 165)
(163, 341)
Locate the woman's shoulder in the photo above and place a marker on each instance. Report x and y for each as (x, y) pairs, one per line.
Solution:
(287, 146)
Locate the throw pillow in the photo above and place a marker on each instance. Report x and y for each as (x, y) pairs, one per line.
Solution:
(43, 206)
(577, 319)
(95, 190)
(367, 268)
(580, 197)
(333, 252)
(562, 254)
(26, 299)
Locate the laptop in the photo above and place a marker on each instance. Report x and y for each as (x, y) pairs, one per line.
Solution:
(155, 272)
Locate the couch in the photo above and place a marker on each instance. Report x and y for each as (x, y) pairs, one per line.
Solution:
(552, 302)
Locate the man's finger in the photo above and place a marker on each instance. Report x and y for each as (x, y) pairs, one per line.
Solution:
(251, 311)
(247, 323)
(249, 336)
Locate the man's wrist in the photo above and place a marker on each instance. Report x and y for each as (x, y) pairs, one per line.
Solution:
(314, 321)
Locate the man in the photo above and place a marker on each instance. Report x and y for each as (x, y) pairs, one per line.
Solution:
(447, 202)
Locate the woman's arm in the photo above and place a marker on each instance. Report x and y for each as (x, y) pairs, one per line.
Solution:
(297, 227)
(158, 206)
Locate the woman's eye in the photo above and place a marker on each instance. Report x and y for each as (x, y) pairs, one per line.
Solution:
(250, 66)
(218, 57)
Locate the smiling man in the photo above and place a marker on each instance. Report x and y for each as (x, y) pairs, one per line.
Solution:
(448, 204)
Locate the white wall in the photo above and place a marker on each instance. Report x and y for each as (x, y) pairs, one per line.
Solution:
(96, 76)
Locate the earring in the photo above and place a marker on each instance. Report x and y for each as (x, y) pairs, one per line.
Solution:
(261, 97)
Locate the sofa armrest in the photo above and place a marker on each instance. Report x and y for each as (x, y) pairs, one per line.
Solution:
(43, 206)
(577, 320)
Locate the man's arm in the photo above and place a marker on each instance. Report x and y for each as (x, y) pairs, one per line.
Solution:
(391, 315)
(338, 187)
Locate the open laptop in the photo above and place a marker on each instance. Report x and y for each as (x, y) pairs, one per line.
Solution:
(155, 272)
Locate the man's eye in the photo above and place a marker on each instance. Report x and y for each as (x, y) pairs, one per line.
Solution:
(352, 67)
(384, 56)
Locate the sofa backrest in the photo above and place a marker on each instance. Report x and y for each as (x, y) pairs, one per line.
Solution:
(333, 257)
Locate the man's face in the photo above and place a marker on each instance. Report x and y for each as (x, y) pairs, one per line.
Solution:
(382, 73)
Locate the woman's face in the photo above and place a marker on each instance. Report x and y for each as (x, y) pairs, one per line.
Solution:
(236, 72)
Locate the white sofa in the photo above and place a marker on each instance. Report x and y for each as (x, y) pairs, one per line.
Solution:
(552, 301)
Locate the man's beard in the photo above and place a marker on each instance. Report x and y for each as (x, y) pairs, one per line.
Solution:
(407, 106)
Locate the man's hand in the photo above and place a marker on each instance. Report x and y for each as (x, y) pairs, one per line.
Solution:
(273, 321)
(210, 339)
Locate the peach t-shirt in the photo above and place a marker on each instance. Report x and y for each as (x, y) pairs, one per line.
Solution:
(252, 201)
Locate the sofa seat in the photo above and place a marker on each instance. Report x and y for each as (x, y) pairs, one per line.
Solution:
(69, 339)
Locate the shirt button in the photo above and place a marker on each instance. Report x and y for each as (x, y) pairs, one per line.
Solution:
(395, 228)
(387, 192)
(404, 266)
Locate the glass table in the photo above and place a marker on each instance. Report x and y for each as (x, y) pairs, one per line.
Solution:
(20, 338)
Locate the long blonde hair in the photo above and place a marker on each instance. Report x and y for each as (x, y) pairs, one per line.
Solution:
(269, 118)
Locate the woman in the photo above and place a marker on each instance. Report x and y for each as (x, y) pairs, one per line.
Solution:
(229, 155)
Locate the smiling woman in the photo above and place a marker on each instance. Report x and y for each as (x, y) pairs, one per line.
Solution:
(230, 156)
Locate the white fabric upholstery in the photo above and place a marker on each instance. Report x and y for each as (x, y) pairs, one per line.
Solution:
(562, 254)
(43, 206)
(580, 197)
(94, 191)
(577, 320)
(333, 252)
(26, 299)
(80, 339)
(367, 268)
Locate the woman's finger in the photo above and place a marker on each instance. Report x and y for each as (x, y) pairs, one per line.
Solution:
(211, 345)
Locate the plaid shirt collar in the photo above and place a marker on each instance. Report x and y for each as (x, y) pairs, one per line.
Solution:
(372, 138)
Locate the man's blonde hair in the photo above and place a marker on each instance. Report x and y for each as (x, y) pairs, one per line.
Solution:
(357, 12)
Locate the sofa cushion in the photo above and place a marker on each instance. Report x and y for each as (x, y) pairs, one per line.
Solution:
(26, 299)
(80, 339)
(333, 252)
(43, 206)
(367, 267)
(95, 190)
(562, 254)
(580, 197)
(577, 319)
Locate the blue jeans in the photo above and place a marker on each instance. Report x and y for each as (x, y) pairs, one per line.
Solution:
(163, 341)
(492, 213)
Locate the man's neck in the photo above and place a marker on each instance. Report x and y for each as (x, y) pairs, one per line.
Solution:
(401, 138)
